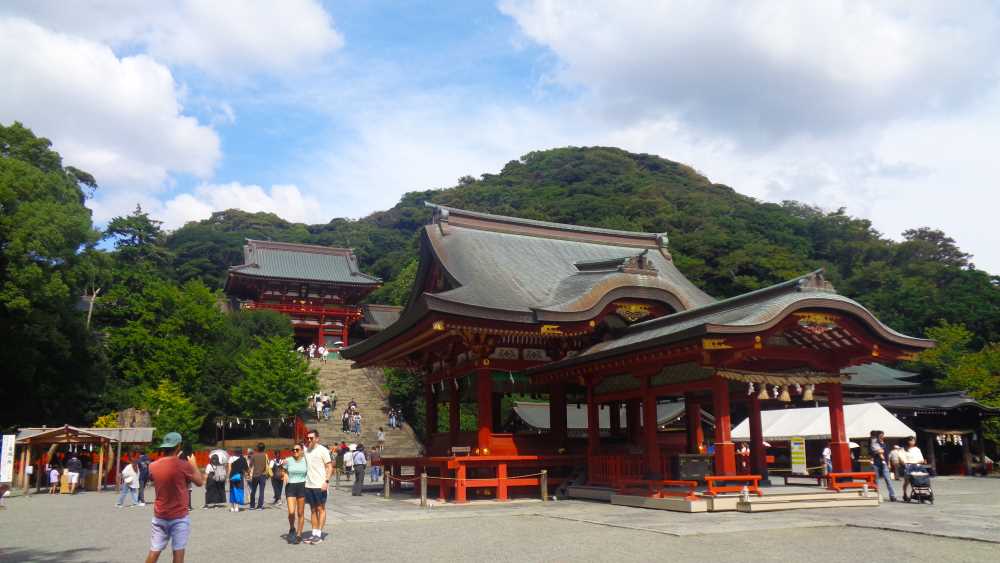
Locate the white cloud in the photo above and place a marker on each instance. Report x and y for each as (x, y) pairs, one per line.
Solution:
(287, 201)
(762, 71)
(223, 37)
(120, 119)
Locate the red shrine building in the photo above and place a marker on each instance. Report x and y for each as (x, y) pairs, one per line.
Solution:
(603, 319)
(317, 287)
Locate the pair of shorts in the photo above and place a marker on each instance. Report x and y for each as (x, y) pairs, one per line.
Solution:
(175, 531)
(295, 490)
(315, 497)
(72, 478)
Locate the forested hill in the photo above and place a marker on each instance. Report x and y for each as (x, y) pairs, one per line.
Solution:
(725, 242)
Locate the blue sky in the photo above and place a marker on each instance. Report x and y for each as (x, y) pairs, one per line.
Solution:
(315, 110)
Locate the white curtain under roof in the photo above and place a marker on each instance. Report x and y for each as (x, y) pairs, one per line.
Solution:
(814, 423)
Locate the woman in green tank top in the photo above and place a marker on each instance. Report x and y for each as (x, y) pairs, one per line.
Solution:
(295, 492)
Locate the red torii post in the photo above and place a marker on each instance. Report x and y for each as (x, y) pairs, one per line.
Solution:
(484, 397)
(695, 434)
(650, 446)
(725, 451)
(758, 457)
(839, 447)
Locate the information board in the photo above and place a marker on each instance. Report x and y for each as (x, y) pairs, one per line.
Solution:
(7, 458)
(798, 456)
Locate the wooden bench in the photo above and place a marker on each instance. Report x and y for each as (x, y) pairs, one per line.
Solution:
(857, 480)
(659, 488)
(751, 482)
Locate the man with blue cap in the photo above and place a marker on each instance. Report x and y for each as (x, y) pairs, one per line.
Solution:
(171, 475)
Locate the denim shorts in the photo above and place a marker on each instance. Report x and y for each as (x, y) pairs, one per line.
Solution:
(174, 531)
(315, 497)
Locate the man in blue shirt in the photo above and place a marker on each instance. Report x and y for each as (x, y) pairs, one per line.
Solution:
(879, 461)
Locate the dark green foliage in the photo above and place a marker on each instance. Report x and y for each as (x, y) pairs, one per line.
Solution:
(51, 369)
(275, 379)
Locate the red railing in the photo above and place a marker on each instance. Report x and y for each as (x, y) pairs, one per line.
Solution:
(611, 470)
(658, 488)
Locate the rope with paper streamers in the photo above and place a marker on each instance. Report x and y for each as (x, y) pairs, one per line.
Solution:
(774, 378)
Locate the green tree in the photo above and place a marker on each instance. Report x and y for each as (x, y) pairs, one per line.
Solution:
(172, 411)
(51, 363)
(276, 380)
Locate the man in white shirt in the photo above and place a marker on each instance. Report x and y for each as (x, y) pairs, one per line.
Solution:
(319, 469)
(828, 459)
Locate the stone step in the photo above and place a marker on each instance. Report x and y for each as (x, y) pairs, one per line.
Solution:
(360, 385)
(773, 504)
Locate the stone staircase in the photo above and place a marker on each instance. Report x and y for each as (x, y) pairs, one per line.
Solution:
(360, 385)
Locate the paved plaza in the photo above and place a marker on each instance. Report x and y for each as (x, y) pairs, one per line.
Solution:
(962, 526)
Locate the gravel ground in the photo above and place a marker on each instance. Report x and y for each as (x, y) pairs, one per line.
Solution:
(87, 527)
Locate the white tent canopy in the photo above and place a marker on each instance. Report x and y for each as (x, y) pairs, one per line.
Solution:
(814, 423)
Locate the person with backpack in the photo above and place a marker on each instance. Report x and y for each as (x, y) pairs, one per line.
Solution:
(144, 462)
(215, 486)
(277, 479)
(238, 471)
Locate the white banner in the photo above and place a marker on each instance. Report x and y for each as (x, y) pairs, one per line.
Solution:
(7, 458)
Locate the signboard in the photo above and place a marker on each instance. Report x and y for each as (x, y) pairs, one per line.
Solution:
(798, 456)
(7, 458)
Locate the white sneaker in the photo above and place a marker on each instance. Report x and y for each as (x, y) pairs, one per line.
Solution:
(118, 506)
(141, 504)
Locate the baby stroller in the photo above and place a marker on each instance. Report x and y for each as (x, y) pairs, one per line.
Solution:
(920, 485)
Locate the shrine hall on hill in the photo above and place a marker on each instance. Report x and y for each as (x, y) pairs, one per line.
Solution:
(317, 287)
(600, 317)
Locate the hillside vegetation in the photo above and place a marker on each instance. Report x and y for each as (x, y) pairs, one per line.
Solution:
(156, 339)
(725, 242)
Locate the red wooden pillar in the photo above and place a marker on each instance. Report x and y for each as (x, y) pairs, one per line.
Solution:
(502, 481)
(593, 423)
(430, 410)
(484, 398)
(695, 432)
(838, 434)
(650, 445)
(557, 412)
(758, 456)
(319, 332)
(460, 483)
(454, 414)
(343, 331)
(615, 408)
(725, 451)
(632, 420)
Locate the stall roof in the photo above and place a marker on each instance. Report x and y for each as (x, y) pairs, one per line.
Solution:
(878, 375)
(128, 435)
(536, 415)
(814, 423)
(935, 402)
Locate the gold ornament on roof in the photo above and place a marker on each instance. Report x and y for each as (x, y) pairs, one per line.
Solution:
(714, 344)
(632, 312)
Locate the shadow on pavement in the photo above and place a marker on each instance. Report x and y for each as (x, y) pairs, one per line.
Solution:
(42, 556)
